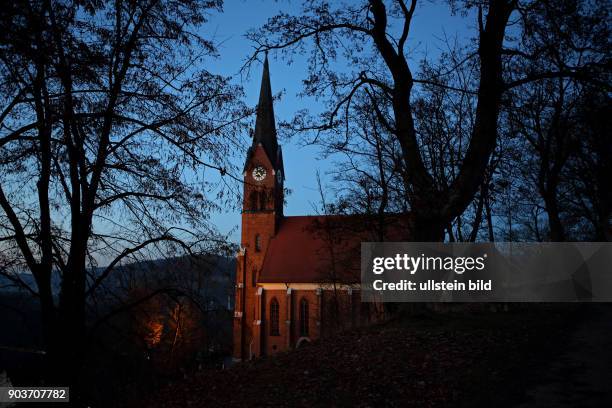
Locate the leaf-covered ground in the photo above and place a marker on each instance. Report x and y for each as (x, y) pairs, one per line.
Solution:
(425, 360)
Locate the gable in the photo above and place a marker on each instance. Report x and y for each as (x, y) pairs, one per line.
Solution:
(257, 155)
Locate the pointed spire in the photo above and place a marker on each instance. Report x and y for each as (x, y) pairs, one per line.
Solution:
(265, 127)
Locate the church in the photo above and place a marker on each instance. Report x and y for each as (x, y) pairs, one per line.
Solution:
(297, 277)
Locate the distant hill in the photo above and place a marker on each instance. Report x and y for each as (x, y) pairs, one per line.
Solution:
(215, 275)
(210, 277)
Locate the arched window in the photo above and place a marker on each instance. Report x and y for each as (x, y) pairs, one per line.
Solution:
(274, 318)
(257, 243)
(304, 317)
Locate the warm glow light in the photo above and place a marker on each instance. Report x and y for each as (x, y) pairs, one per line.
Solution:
(154, 333)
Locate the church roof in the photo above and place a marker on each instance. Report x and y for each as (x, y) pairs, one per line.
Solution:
(265, 125)
(320, 249)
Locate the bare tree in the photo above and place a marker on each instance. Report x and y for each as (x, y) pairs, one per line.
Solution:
(561, 35)
(444, 116)
(108, 130)
(588, 171)
(363, 34)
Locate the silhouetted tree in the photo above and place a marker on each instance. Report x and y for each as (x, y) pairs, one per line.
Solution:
(444, 116)
(377, 54)
(107, 126)
(556, 36)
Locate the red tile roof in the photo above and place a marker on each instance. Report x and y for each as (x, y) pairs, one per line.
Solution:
(317, 249)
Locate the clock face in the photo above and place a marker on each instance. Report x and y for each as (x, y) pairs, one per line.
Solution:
(259, 173)
(279, 176)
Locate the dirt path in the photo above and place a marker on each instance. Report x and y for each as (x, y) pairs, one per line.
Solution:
(582, 374)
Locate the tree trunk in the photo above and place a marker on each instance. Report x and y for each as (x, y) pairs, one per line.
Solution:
(489, 220)
(557, 232)
(428, 227)
(478, 215)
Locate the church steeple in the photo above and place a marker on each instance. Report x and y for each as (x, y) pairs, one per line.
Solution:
(263, 168)
(265, 126)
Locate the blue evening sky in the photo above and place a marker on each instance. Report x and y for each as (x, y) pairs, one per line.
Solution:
(432, 22)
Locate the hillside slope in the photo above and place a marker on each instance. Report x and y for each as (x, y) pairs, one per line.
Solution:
(431, 360)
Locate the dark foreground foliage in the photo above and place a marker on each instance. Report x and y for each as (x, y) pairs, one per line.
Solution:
(468, 358)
